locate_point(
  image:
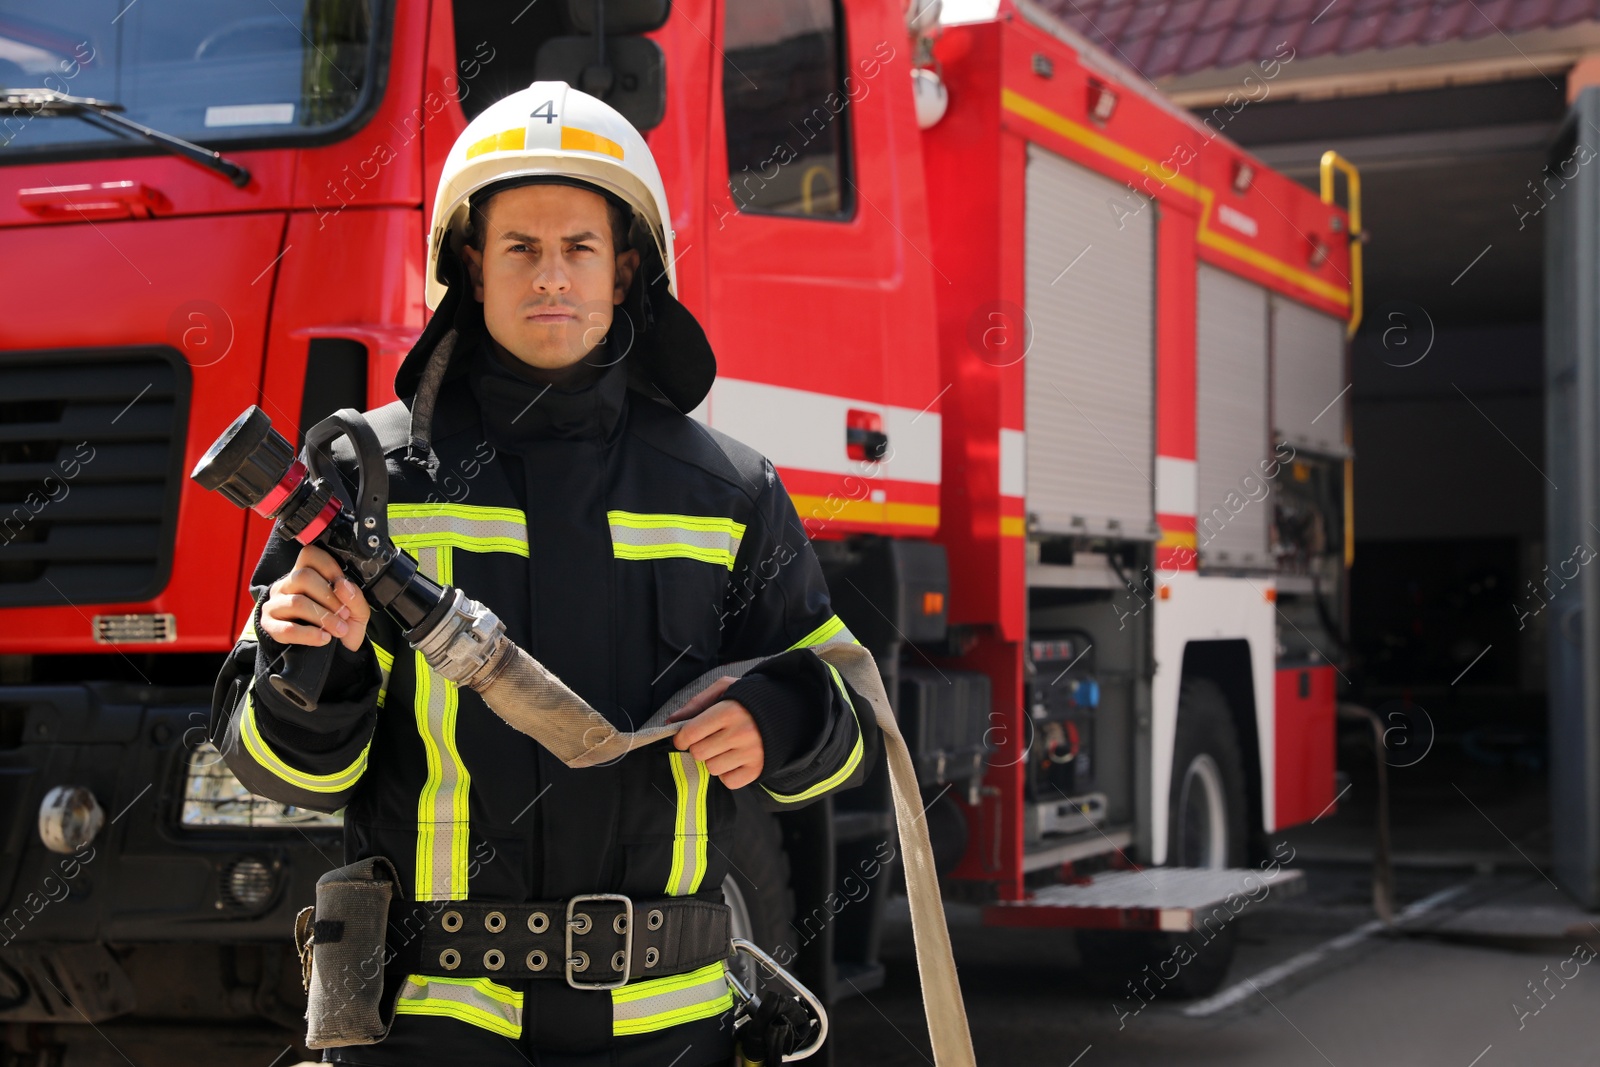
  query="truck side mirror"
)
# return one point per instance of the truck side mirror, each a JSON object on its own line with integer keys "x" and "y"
{"x": 621, "y": 16}
{"x": 632, "y": 76}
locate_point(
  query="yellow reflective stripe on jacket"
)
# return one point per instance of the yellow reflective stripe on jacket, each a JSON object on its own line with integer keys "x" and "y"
{"x": 469, "y": 526}
{"x": 850, "y": 763}
{"x": 708, "y": 538}
{"x": 249, "y": 631}
{"x": 385, "y": 665}
{"x": 829, "y": 632}
{"x": 657, "y": 1003}
{"x": 478, "y": 1001}
{"x": 432, "y": 533}
{"x": 262, "y": 753}
{"x": 690, "y": 833}
{"x": 442, "y": 822}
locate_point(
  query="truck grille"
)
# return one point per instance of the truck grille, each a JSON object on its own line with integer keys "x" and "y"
{"x": 91, "y": 446}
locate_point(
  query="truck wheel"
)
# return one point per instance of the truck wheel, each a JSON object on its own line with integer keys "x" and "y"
{"x": 757, "y": 888}
{"x": 1206, "y": 828}
{"x": 1206, "y": 824}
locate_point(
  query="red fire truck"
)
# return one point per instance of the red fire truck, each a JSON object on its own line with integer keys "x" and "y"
{"x": 1054, "y": 373}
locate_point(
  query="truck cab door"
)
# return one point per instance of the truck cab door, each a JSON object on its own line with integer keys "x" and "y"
{"x": 821, "y": 289}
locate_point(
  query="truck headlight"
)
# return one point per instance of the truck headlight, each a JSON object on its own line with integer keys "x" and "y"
{"x": 213, "y": 797}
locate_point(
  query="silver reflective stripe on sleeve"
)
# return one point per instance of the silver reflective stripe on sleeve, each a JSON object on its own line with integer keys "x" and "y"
{"x": 478, "y": 1001}
{"x": 657, "y": 1003}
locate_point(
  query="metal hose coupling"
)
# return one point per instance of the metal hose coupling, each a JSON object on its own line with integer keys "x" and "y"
{"x": 469, "y": 645}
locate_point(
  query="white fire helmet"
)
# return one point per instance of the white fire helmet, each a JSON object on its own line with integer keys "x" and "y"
{"x": 549, "y": 128}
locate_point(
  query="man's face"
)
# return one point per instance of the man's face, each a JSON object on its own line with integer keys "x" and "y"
{"x": 548, "y": 274}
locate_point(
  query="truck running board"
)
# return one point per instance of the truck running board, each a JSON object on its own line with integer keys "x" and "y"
{"x": 1174, "y": 899}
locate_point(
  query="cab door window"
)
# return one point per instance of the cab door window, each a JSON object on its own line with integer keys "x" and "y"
{"x": 785, "y": 110}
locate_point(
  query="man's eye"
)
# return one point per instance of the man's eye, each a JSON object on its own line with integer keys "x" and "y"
{"x": 519, "y": 248}
{"x": 584, "y": 248}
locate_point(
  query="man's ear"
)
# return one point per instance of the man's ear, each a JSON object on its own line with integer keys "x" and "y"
{"x": 474, "y": 261}
{"x": 627, "y": 265}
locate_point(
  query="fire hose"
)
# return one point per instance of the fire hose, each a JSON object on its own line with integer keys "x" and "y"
{"x": 465, "y": 642}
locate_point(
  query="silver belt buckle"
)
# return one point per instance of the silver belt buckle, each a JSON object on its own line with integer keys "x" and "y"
{"x": 580, "y": 924}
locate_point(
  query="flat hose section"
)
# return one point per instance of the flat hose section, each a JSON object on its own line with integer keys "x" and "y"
{"x": 535, "y": 702}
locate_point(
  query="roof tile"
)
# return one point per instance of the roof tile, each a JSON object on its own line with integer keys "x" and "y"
{"x": 1219, "y": 15}
{"x": 1449, "y": 21}
{"x": 1290, "y": 33}
{"x": 1244, "y": 46}
{"x": 1257, "y": 11}
{"x": 1184, "y": 16}
{"x": 1203, "y": 50}
{"x": 1146, "y": 22}
{"x": 1163, "y": 59}
{"x": 1570, "y": 11}
{"x": 1133, "y": 53}
{"x": 1492, "y": 17}
{"x": 1163, "y": 37}
{"x": 1322, "y": 35}
{"x": 1361, "y": 32}
{"x": 1113, "y": 19}
{"x": 1528, "y": 14}
{"x": 1403, "y": 27}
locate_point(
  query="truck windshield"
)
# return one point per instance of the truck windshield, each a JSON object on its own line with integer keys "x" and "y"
{"x": 247, "y": 70}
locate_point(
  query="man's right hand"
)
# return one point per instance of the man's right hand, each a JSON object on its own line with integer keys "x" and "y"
{"x": 314, "y": 603}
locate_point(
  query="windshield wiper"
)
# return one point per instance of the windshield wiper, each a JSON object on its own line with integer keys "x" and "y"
{"x": 42, "y": 101}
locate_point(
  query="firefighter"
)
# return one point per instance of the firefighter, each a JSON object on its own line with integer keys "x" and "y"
{"x": 542, "y": 460}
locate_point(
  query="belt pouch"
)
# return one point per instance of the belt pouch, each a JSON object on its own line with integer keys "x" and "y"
{"x": 343, "y": 955}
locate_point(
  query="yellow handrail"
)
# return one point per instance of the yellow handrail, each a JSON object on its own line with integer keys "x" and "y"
{"x": 1332, "y": 161}
{"x": 811, "y": 174}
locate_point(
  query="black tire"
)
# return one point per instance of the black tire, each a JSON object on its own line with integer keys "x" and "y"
{"x": 757, "y": 887}
{"x": 1205, "y": 731}
{"x": 1207, "y": 771}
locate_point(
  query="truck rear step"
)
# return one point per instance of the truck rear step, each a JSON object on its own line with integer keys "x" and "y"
{"x": 1172, "y": 899}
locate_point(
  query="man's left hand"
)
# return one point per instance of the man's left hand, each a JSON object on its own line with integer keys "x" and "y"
{"x": 721, "y": 734}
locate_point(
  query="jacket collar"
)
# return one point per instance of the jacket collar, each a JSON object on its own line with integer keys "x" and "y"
{"x": 520, "y": 407}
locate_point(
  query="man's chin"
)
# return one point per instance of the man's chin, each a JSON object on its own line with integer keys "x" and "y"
{"x": 545, "y": 358}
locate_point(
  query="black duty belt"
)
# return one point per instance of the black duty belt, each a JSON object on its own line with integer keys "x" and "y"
{"x": 594, "y": 941}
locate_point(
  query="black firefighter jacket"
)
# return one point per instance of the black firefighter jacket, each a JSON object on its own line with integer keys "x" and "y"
{"x": 629, "y": 549}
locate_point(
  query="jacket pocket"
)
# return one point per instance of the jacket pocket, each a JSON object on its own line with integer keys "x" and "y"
{"x": 689, "y": 598}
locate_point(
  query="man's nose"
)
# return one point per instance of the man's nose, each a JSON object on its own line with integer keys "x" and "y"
{"x": 551, "y": 278}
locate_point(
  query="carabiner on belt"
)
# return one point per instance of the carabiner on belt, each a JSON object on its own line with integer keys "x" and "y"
{"x": 752, "y": 1024}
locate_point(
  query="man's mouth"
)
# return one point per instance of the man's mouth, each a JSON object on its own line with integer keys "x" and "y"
{"x": 549, "y": 314}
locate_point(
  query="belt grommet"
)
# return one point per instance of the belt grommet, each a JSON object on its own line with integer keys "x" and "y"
{"x": 651, "y": 956}
{"x": 449, "y": 959}
{"x": 494, "y": 922}
{"x": 581, "y": 924}
{"x": 451, "y": 921}
{"x": 619, "y": 960}
{"x": 538, "y": 922}
{"x": 579, "y": 962}
{"x": 655, "y": 919}
{"x": 620, "y": 924}
{"x": 537, "y": 960}
{"x": 494, "y": 959}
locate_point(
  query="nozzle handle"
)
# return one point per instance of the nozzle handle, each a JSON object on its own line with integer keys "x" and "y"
{"x": 303, "y": 673}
